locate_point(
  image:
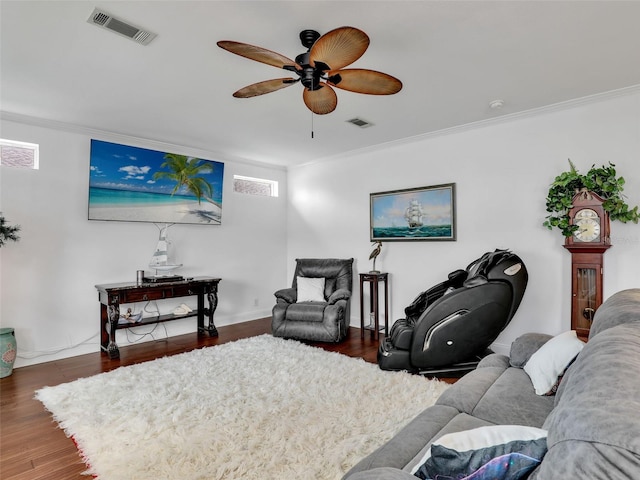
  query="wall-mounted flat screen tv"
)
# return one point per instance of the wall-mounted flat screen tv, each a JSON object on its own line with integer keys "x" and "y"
{"x": 132, "y": 184}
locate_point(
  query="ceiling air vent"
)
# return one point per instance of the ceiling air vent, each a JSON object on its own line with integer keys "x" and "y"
{"x": 104, "y": 20}
{"x": 358, "y": 122}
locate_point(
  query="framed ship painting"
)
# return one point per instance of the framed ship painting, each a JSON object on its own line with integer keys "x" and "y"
{"x": 425, "y": 213}
{"x": 132, "y": 184}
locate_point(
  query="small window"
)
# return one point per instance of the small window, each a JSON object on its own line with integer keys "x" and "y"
{"x": 255, "y": 186}
{"x": 18, "y": 154}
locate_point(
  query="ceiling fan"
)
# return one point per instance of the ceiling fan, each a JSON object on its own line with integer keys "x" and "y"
{"x": 319, "y": 69}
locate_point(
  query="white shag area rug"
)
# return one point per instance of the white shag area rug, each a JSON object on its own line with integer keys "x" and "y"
{"x": 258, "y": 408}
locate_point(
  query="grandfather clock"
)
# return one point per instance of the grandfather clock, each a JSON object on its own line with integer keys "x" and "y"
{"x": 587, "y": 246}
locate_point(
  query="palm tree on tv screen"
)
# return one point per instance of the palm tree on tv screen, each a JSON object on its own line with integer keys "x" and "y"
{"x": 186, "y": 171}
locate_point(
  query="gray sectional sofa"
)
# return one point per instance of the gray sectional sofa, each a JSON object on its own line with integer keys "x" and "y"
{"x": 592, "y": 423}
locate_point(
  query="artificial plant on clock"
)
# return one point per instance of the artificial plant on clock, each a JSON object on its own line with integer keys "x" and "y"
{"x": 600, "y": 180}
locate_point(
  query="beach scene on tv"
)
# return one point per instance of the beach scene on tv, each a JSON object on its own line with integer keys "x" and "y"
{"x": 415, "y": 214}
{"x": 135, "y": 184}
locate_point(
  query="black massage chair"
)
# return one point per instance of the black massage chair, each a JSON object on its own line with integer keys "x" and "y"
{"x": 449, "y": 327}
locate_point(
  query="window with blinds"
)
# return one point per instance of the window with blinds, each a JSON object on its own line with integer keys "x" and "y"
{"x": 255, "y": 186}
{"x": 18, "y": 154}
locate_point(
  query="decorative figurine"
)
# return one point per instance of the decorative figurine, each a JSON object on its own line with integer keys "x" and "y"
{"x": 374, "y": 255}
{"x": 130, "y": 317}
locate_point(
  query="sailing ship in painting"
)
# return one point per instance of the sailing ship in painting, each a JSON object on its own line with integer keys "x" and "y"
{"x": 414, "y": 214}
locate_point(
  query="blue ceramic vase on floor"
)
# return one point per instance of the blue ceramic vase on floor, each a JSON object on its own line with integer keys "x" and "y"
{"x": 8, "y": 351}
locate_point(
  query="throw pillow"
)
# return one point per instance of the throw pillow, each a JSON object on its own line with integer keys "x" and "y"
{"x": 508, "y": 452}
{"x": 310, "y": 289}
{"x": 551, "y": 360}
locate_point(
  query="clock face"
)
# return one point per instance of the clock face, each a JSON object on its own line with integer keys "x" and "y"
{"x": 588, "y": 224}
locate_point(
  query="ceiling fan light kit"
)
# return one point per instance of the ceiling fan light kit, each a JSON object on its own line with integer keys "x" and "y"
{"x": 319, "y": 69}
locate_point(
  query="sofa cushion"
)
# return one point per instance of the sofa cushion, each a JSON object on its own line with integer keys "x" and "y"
{"x": 504, "y": 400}
{"x": 622, "y": 307}
{"x": 526, "y": 345}
{"x": 465, "y": 394}
{"x": 382, "y": 473}
{"x": 551, "y": 360}
{"x": 585, "y": 460}
{"x": 494, "y": 360}
{"x": 594, "y": 431}
{"x": 306, "y": 312}
{"x": 495, "y": 394}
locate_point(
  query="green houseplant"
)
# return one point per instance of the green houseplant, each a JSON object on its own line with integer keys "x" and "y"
{"x": 8, "y": 232}
{"x": 600, "y": 180}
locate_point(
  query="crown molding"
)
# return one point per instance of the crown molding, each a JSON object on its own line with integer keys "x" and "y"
{"x": 129, "y": 139}
{"x": 506, "y": 118}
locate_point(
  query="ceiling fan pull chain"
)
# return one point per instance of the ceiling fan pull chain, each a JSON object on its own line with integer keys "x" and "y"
{"x": 311, "y": 124}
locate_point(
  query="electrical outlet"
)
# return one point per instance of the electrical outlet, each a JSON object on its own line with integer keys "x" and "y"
{"x": 255, "y": 302}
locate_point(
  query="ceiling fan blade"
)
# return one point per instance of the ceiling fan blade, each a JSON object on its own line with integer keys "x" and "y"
{"x": 339, "y": 48}
{"x": 258, "y": 54}
{"x": 360, "y": 80}
{"x": 322, "y": 100}
{"x": 261, "y": 88}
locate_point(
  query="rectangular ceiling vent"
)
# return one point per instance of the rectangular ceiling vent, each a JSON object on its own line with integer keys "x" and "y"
{"x": 104, "y": 20}
{"x": 358, "y": 122}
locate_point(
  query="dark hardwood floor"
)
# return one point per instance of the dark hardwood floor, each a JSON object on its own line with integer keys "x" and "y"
{"x": 32, "y": 447}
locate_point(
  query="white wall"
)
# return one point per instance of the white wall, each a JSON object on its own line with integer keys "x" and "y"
{"x": 47, "y": 279}
{"x": 502, "y": 171}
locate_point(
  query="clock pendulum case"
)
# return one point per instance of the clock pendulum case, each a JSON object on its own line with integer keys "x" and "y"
{"x": 587, "y": 246}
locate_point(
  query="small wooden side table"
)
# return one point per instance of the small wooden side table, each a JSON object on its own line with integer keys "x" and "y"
{"x": 374, "y": 279}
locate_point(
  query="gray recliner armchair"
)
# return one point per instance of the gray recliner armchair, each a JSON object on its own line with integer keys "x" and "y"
{"x": 317, "y": 305}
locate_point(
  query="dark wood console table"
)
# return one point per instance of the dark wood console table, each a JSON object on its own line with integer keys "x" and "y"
{"x": 113, "y": 294}
{"x": 374, "y": 278}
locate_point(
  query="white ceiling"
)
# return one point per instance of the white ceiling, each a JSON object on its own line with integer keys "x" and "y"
{"x": 453, "y": 57}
